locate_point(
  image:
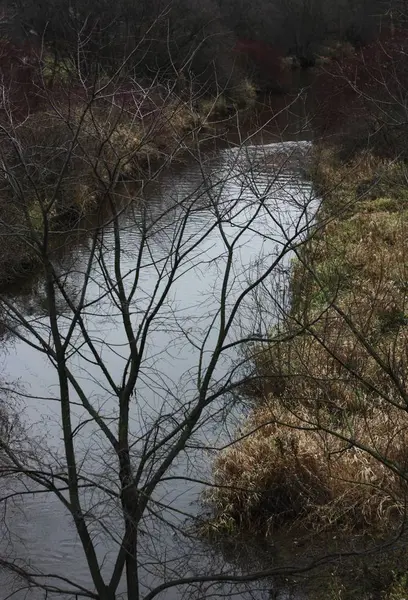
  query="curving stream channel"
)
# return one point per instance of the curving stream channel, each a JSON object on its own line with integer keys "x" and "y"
{"x": 260, "y": 185}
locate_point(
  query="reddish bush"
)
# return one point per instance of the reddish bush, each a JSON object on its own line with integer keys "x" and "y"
{"x": 365, "y": 94}
{"x": 19, "y": 76}
{"x": 264, "y": 61}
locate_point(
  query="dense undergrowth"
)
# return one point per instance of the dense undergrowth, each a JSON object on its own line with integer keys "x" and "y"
{"x": 60, "y": 162}
{"x": 326, "y": 446}
{"x": 63, "y": 156}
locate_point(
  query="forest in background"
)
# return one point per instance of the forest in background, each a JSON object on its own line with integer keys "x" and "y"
{"x": 215, "y": 42}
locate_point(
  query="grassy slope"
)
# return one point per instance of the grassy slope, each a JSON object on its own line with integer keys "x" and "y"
{"x": 294, "y": 470}
{"x": 334, "y": 399}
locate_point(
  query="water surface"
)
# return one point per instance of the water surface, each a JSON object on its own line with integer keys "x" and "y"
{"x": 235, "y": 181}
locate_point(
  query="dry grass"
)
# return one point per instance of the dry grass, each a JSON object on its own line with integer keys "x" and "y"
{"x": 110, "y": 143}
{"x": 292, "y": 471}
{"x": 58, "y": 164}
{"x": 329, "y": 447}
{"x": 399, "y": 589}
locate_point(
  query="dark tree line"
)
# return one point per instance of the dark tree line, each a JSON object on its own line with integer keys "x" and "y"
{"x": 180, "y": 38}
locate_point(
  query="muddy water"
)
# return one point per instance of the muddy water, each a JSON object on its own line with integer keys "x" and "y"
{"x": 37, "y": 530}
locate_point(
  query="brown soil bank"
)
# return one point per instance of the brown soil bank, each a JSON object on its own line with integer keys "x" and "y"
{"x": 329, "y": 442}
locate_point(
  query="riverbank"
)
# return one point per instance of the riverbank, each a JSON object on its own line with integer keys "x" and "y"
{"x": 66, "y": 145}
{"x": 63, "y": 162}
{"x": 325, "y": 447}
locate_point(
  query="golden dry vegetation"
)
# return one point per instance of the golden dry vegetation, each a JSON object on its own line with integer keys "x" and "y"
{"x": 329, "y": 441}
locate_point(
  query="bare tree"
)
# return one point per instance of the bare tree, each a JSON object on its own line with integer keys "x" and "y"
{"x": 132, "y": 433}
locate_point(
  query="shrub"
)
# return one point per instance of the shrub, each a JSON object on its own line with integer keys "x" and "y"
{"x": 244, "y": 94}
{"x": 366, "y": 96}
{"x": 19, "y": 78}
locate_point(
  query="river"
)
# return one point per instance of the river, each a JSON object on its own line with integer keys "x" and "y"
{"x": 36, "y": 527}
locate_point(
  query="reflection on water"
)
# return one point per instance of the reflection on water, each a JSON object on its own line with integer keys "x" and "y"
{"x": 231, "y": 185}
